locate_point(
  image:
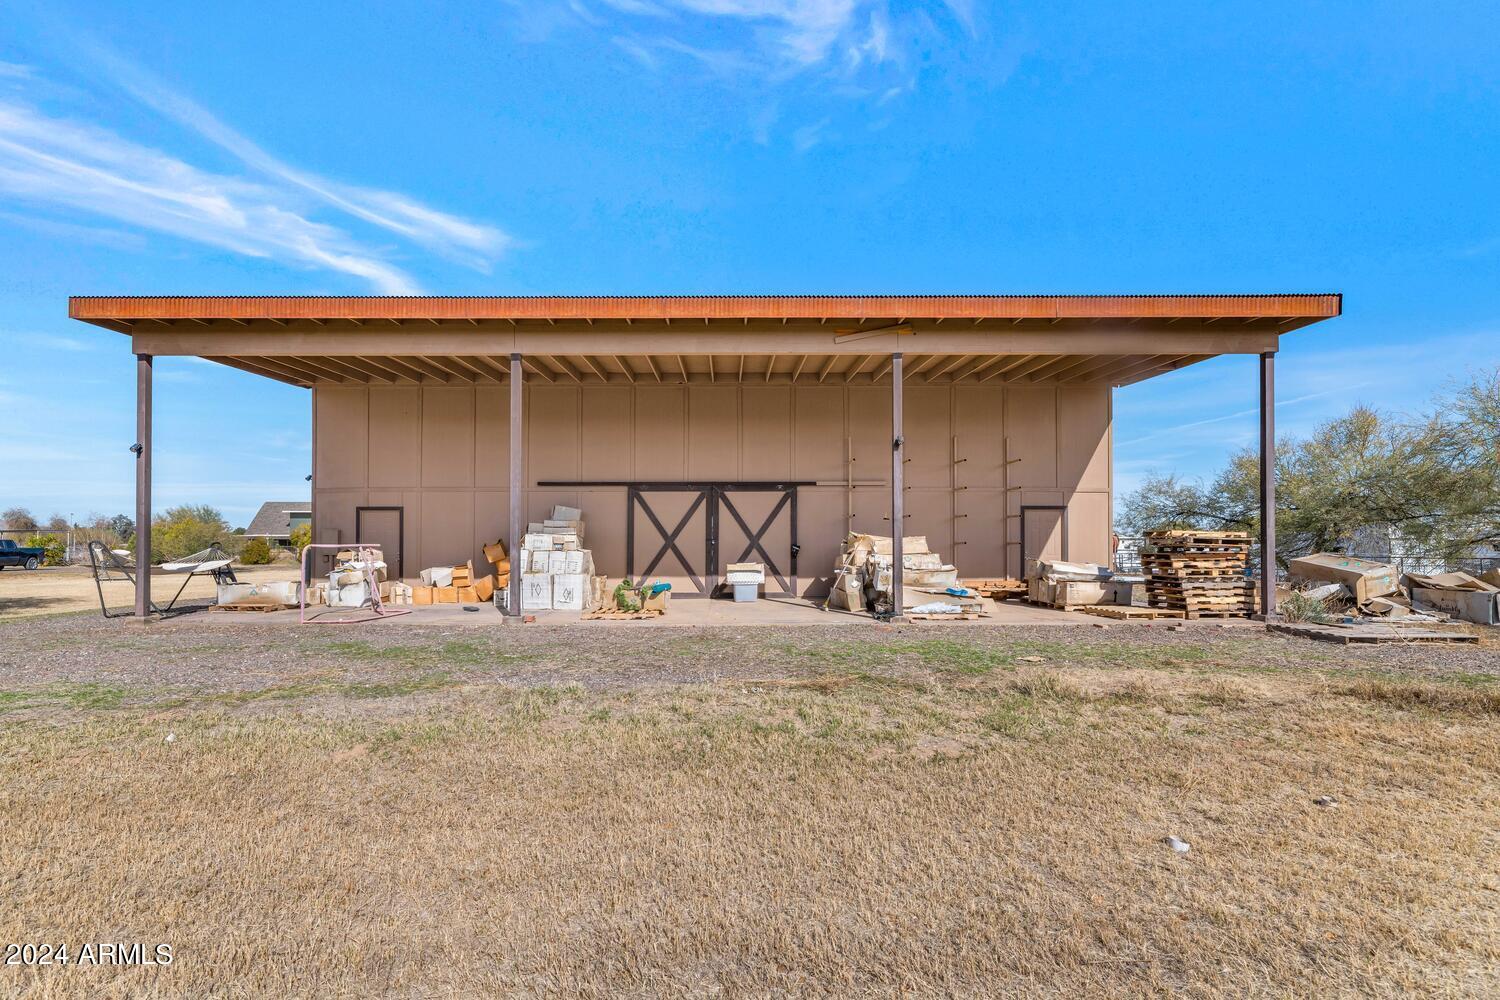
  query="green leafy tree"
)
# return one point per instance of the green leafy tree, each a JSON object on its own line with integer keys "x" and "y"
{"x": 183, "y": 530}
{"x": 54, "y": 546}
{"x": 1432, "y": 481}
{"x": 255, "y": 552}
{"x": 301, "y": 537}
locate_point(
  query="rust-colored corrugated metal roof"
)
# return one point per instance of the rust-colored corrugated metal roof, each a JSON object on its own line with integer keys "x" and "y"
{"x": 128, "y": 308}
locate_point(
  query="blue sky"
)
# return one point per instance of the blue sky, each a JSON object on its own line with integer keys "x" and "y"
{"x": 654, "y": 146}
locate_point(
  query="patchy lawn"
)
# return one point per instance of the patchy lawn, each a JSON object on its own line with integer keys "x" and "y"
{"x": 928, "y": 811}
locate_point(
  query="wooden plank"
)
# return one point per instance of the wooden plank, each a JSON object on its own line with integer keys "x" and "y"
{"x": 1121, "y": 612}
{"x": 1369, "y": 634}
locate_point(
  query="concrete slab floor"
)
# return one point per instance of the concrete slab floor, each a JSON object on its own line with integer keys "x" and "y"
{"x": 682, "y": 613}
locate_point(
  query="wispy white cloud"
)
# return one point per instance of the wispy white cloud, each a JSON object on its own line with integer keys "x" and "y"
{"x": 472, "y": 242}
{"x": 775, "y": 39}
{"x": 53, "y": 342}
{"x": 62, "y": 162}
{"x": 66, "y": 163}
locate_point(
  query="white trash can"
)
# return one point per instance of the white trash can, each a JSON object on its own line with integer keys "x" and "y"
{"x": 746, "y": 579}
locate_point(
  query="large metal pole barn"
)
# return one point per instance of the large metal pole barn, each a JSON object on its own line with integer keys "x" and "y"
{"x": 692, "y": 430}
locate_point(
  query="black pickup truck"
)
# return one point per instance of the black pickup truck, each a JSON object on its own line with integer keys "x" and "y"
{"x": 12, "y": 554}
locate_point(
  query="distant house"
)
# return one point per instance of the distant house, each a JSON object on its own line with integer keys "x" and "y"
{"x": 277, "y": 519}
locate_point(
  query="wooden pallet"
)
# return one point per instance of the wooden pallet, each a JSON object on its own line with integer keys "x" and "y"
{"x": 1193, "y": 534}
{"x": 263, "y": 606}
{"x": 1122, "y": 613}
{"x": 619, "y": 616}
{"x": 996, "y": 589}
{"x": 1348, "y": 634}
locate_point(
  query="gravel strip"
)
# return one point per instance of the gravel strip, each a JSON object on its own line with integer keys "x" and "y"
{"x": 177, "y": 655}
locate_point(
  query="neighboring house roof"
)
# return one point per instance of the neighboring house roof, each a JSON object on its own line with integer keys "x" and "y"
{"x": 274, "y": 519}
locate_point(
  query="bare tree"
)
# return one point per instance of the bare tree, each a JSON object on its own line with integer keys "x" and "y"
{"x": 19, "y": 519}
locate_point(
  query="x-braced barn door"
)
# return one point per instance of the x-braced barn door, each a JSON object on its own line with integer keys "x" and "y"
{"x": 659, "y": 502}
{"x": 724, "y": 513}
{"x": 773, "y": 509}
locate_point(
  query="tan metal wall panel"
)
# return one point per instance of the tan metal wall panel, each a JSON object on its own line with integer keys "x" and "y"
{"x": 713, "y": 432}
{"x": 930, "y": 512}
{"x": 492, "y": 437}
{"x": 606, "y": 420}
{"x": 342, "y": 425}
{"x": 1031, "y": 432}
{"x": 552, "y": 432}
{"x": 765, "y": 432}
{"x": 981, "y": 528}
{"x": 870, "y": 432}
{"x": 979, "y": 425}
{"x": 818, "y": 438}
{"x": 661, "y": 433}
{"x": 1089, "y": 528}
{"x": 929, "y": 444}
{"x": 395, "y": 436}
{"x": 604, "y": 528}
{"x": 447, "y": 525}
{"x": 1082, "y": 436}
{"x": 447, "y": 437}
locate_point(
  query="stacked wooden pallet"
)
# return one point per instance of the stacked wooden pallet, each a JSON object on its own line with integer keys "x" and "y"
{"x": 1199, "y": 573}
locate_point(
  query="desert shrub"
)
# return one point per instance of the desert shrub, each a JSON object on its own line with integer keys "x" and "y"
{"x": 1301, "y": 607}
{"x": 255, "y": 552}
{"x": 56, "y": 548}
{"x": 301, "y": 537}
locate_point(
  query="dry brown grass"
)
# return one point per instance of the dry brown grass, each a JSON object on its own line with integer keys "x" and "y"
{"x": 988, "y": 831}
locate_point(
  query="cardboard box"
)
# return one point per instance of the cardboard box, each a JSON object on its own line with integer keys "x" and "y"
{"x": 536, "y": 540}
{"x": 569, "y": 591}
{"x": 537, "y": 561}
{"x": 536, "y": 592}
{"x": 423, "y": 595}
{"x": 438, "y": 576}
{"x": 463, "y": 576}
{"x": 495, "y": 552}
{"x": 1478, "y": 606}
{"x": 485, "y": 587}
{"x": 557, "y": 562}
{"x": 445, "y": 595}
{"x": 574, "y": 562}
{"x": 657, "y": 602}
{"x": 1364, "y": 578}
{"x": 468, "y": 595}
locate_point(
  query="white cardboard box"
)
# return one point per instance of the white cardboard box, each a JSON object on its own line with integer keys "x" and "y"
{"x": 536, "y": 592}
{"x": 569, "y": 591}
{"x": 573, "y": 562}
{"x": 536, "y": 540}
{"x": 557, "y": 562}
{"x": 538, "y": 561}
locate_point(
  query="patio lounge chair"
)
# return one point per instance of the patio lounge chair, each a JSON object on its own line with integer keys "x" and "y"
{"x": 110, "y": 564}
